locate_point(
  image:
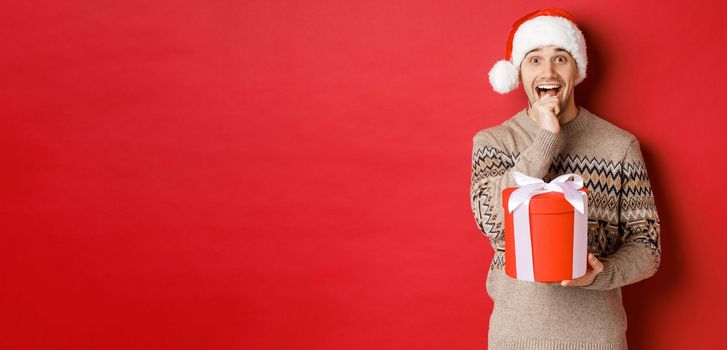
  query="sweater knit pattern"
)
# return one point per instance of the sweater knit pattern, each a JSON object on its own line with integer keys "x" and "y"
{"x": 623, "y": 229}
{"x": 606, "y": 182}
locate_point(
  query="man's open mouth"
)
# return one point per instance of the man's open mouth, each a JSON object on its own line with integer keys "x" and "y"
{"x": 548, "y": 89}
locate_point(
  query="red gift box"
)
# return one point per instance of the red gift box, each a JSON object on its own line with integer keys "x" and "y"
{"x": 555, "y": 229}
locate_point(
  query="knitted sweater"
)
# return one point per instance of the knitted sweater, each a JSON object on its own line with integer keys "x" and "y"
{"x": 623, "y": 230}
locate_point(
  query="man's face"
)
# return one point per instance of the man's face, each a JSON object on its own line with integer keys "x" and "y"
{"x": 549, "y": 65}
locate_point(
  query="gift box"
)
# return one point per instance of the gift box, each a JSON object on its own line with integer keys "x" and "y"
{"x": 546, "y": 228}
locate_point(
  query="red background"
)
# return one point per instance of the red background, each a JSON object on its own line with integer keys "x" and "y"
{"x": 294, "y": 175}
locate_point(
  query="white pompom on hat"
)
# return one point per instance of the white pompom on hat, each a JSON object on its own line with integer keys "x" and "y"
{"x": 550, "y": 26}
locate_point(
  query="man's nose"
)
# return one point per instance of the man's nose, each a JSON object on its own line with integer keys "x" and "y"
{"x": 548, "y": 69}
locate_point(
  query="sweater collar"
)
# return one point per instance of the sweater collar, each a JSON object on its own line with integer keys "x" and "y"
{"x": 578, "y": 123}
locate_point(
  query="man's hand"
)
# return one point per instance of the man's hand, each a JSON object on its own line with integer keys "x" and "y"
{"x": 545, "y": 111}
{"x": 595, "y": 267}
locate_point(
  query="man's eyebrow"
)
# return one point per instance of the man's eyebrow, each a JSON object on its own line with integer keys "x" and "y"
{"x": 540, "y": 49}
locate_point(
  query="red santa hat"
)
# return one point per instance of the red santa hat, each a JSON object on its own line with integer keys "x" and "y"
{"x": 549, "y": 26}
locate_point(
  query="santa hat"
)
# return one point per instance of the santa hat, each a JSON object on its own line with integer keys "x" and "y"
{"x": 550, "y": 26}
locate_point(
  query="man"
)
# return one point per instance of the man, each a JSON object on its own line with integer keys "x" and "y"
{"x": 552, "y": 136}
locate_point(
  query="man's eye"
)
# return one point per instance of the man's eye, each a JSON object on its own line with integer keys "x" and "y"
{"x": 561, "y": 58}
{"x": 533, "y": 60}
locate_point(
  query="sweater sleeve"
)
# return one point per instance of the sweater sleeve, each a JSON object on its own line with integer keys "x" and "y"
{"x": 639, "y": 255}
{"x": 492, "y": 166}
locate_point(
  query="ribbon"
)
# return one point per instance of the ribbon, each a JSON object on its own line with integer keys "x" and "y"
{"x": 519, "y": 203}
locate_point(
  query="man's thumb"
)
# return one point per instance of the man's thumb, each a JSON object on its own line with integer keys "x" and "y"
{"x": 595, "y": 263}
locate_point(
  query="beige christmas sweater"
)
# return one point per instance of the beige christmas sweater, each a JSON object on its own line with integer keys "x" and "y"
{"x": 623, "y": 230}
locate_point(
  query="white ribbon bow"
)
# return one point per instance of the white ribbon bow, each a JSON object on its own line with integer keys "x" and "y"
{"x": 519, "y": 203}
{"x": 531, "y": 186}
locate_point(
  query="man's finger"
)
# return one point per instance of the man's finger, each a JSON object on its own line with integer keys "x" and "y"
{"x": 594, "y": 262}
{"x": 585, "y": 279}
{"x": 594, "y": 268}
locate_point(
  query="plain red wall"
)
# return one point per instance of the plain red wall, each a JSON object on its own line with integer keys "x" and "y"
{"x": 295, "y": 175}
